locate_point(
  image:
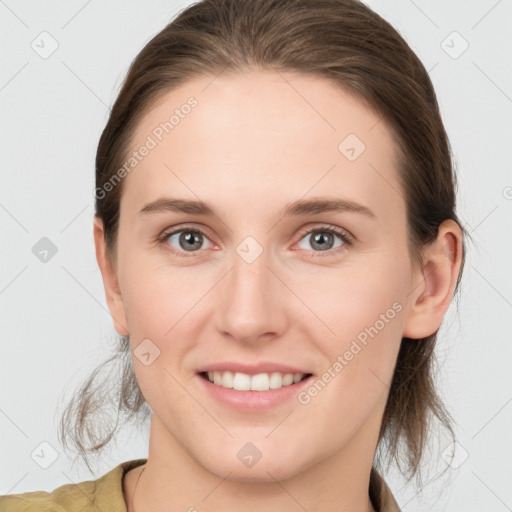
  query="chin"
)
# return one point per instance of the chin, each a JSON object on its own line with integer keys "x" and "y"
{"x": 260, "y": 474}
{"x": 247, "y": 465}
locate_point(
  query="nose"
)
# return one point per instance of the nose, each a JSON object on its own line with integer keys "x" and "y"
{"x": 251, "y": 301}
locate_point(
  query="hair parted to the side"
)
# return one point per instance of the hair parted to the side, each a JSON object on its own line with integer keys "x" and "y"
{"x": 348, "y": 43}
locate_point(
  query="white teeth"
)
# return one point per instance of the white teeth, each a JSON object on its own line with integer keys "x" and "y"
{"x": 276, "y": 380}
{"x": 242, "y": 382}
{"x": 288, "y": 379}
{"x": 224, "y": 379}
{"x": 260, "y": 382}
{"x": 227, "y": 380}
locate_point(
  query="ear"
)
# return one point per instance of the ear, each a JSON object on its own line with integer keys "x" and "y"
{"x": 110, "y": 283}
{"x": 434, "y": 283}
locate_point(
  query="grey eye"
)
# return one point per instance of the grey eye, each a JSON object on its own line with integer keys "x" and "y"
{"x": 187, "y": 240}
{"x": 322, "y": 240}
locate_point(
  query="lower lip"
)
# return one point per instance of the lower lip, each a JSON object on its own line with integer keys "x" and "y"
{"x": 253, "y": 400}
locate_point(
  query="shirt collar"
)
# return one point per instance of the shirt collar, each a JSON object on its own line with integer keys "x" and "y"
{"x": 380, "y": 494}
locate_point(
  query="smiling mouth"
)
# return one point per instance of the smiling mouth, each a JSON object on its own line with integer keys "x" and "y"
{"x": 259, "y": 382}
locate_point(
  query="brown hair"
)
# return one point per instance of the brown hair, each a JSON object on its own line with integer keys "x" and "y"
{"x": 348, "y": 43}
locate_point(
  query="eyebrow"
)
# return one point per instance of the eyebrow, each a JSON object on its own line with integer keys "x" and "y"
{"x": 312, "y": 206}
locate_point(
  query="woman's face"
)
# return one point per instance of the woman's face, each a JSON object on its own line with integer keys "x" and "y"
{"x": 263, "y": 275}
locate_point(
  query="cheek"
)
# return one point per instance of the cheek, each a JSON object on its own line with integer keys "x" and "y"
{"x": 353, "y": 297}
{"x": 362, "y": 309}
{"x": 365, "y": 311}
{"x": 158, "y": 296}
{"x": 159, "y": 303}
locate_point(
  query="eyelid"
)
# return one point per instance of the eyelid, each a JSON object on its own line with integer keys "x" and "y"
{"x": 347, "y": 238}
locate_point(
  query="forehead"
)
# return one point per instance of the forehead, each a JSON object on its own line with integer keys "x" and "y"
{"x": 261, "y": 132}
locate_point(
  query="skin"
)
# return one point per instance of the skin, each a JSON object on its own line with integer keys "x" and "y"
{"x": 255, "y": 142}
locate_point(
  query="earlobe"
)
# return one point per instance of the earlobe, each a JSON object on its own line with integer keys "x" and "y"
{"x": 429, "y": 300}
{"x": 110, "y": 281}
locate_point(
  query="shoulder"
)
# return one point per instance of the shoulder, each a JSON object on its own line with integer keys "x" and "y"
{"x": 104, "y": 493}
{"x": 36, "y": 501}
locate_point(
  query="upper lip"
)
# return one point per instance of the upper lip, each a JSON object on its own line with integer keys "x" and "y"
{"x": 251, "y": 369}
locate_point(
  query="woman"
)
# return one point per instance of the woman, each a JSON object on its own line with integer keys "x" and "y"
{"x": 276, "y": 231}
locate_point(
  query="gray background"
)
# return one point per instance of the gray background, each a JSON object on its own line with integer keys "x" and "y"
{"x": 55, "y": 323}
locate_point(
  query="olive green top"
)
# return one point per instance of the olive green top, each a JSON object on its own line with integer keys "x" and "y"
{"x": 106, "y": 495}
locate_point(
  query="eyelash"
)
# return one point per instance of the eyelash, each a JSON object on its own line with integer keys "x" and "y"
{"x": 346, "y": 238}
